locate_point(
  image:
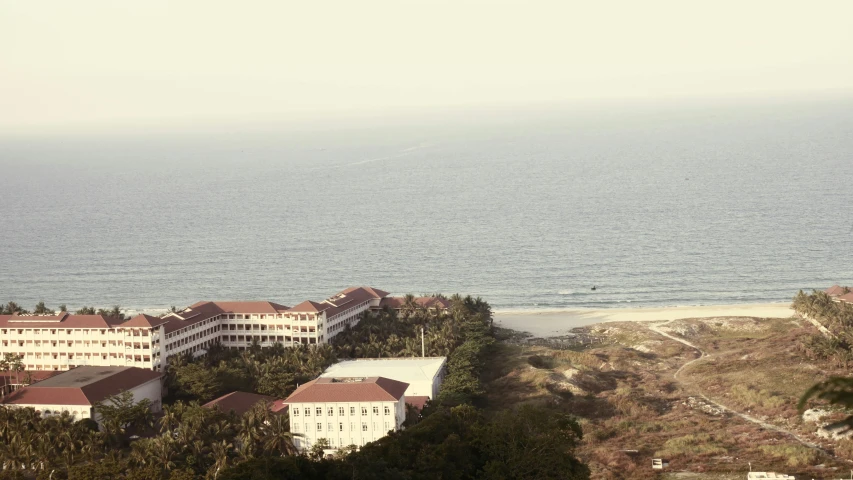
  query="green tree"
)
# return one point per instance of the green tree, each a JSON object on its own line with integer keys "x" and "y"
{"x": 41, "y": 309}
{"x": 120, "y": 413}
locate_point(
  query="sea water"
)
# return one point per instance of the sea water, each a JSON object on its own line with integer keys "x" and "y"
{"x": 683, "y": 205}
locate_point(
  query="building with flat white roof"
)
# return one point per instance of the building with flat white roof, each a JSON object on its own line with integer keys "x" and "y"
{"x": 78, "y": 390}
{"x": 345, "y": 411}
{"x": 423, "y": 374}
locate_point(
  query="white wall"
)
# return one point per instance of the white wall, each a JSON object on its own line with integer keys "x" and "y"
{"x": 353, "y": 431}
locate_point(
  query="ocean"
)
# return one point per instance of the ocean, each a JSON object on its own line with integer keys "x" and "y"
{"x": 729, "y": 202}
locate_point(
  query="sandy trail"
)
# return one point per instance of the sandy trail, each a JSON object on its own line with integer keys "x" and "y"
{"x": 688, "y": 386}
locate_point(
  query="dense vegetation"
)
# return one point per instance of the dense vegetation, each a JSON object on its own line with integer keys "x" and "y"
{"x": 187, "y": 441}
{"x": 452, "y": 443}
{"x": 453, "y": 439}
{"x": 837, "y": 317}
{"x": 837, "y": 348}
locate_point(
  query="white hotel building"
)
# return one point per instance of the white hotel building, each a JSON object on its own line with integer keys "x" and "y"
{"x": 64, "y": 341}
{"x": 346, "y": 410}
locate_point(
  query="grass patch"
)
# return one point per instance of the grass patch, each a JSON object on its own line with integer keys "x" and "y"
{"x": 690, "y": 445}
{"x": 794, "y": 455}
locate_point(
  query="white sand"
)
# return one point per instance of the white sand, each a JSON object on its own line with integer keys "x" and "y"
{"x": 559, "y": 322}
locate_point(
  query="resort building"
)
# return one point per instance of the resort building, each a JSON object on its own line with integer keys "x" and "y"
{"x": 424, "y": 375}
{"x": 840, "y": 294}
{"x": 77, "y": 391}
{"x": 346, "y": 410}
{"x": 64, "y": 341}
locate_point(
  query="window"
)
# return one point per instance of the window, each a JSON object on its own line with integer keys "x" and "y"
{"x": 319, "y": 427}
{"x": 387, "y": 410}
{"x": 341, "y": 427}
{"x": 307, "y": 412}
{"x": 331, "y": 427}
{"x": 295, "y": 427}
{"x": 363, "y": 426}
{"x": 331, "y": 411}
{"x": 341, "y": 411}
{"x": 351, "y": 427}
{"x": 319, "y": 411}
{"x": 352, "y": 410}
{"x": 295, "y": 412}
{"x": 376, "y": 410}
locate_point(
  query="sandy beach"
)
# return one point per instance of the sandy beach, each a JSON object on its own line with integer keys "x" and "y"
{"x": 549, "y": 323}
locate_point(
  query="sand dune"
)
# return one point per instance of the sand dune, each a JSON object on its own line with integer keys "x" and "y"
{"x": 554, "y": 322}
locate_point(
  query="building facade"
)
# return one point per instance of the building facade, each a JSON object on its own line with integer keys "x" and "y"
{"x": 77, "y": 391}
{"x": 64, "y": 341}
{"x": 345, "y": 411}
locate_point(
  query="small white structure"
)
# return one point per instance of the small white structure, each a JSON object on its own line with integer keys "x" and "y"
{"x": 346, "y": 411}
{"x": 76, "y": 391}
{"x": 423, "y": 374}
{"x": 659, "y": 463}
{"x": 769, "y": 475}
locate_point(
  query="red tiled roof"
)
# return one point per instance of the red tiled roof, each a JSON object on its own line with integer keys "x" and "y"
{"x": 847, "y": 298}
{"x": 144, "y": 321}
{"x": 63, "y": 320}
{"x": 250, "y": 307}
{"x": 309, "y": 306}
{"x": 395, "y": 303}
{"x": 835, "y": 290}
{"x": 35, "y": 375}
{"x": 204, "y": 310}
{"x": 417, "y": 402}
{"x": 279, "y": 406}
{"x": 81, "y": 386}
{"x": 351, "y": 297}
{"x": 239, "y": 402}
{"x": 373, "y": 291}
{"x": 333, "y": 390}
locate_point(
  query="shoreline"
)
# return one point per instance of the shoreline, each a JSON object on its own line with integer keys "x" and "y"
{"x": 551, "y": 323}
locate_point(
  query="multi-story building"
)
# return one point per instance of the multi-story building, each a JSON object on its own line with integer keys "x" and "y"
{"x": 346, "y": 410}
{"x": 63, "y": 341}
{"x": 78, "y": 391}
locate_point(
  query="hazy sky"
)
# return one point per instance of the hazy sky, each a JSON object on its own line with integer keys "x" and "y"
{"x": 93, "y": 62}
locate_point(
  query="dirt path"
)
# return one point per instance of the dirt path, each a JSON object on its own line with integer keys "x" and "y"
{"x": 704, "y": 356}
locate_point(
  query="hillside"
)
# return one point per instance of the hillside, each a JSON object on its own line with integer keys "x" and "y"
{"x": 623, "y": 387}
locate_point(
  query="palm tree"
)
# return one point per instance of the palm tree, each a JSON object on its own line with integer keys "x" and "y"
{"x": 277, "y": 436}
{"x": 250, "y": 430}
{"x": 18, "y": 366}
{"x": 140, "y": 452}
{"x": 220, "y": 451}
{"x": 5, "y": 365}
{"x": 171, "y": 416}
{"x": 163, "y": 450}
{"x": 41, "y": 309}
